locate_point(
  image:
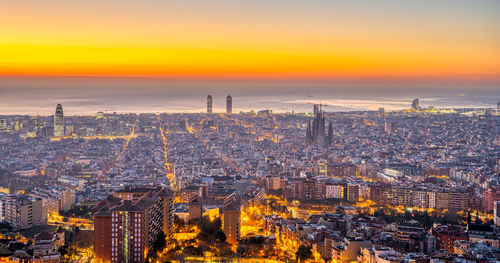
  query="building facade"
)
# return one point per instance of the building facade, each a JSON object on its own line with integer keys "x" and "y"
{"x": 209, "y": 104}
{"x": 125, "y": 229}
{"x": 59, "y": 121}
{"x": 229, "y": 104}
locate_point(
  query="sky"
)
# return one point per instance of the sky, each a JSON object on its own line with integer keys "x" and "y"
{"x": 281, "y": 40}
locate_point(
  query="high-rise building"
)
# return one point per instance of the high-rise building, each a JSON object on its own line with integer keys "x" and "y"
{"x": 229, "y": 104}
{"x": 127, "y": 224}
{"x": 195, "y": 209}
{"x": 330, "y": 133}
{"x": 209, "y": 104}
{"x": 303, "y": 188}
{"x": 231, "y": 218}
{"x": 353, "y": 192}
{"x": 59, "y": 121}
{"x": 491, "y": 196}
{"x": 276, "y": 183}
{"x": 414, "y": 104}
{"x": 23, "y": 211}
{"x": 496, "y": 213}
{"x": 309, "y": 139}
{"x": 231, "y": 223}
{"x": 316, "y": 109}
{"x": 388, "y": 127}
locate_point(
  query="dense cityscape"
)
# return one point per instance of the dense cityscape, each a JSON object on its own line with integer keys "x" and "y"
{"x": 414, "y": 185}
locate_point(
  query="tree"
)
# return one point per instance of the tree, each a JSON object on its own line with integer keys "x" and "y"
{"x": 5, "y": 227}
{"x": 160, "y": 243}
{"x": 194, "y": 251}
{"x": 178, "y": 221}
{"x": 63, "y": 250}
{"x": 220, "y": 236}
{"x": 240, "y": 251}
{"x": 218, "y": 223}
{"x": 303, "y": 253}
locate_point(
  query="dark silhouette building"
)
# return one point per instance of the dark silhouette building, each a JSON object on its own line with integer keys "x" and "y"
{"x": 330, "y": 133}
{"x": 414, "y": 104}
{"x": 315, "y": 133}
{"x": 229, "y": 104}
{"x": 209, "y": 104}
{"x": 316, "y": 109}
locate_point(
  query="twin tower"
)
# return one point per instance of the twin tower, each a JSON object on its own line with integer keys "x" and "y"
{"x": 229, "y": 104}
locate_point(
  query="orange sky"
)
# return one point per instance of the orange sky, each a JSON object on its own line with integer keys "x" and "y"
{"x": 261, "y": 39}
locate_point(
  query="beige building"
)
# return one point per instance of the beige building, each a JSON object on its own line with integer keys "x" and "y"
{"x": 231, "y": 224}
{"x": 56, "y": 199}
{"x": 23, "y": 212}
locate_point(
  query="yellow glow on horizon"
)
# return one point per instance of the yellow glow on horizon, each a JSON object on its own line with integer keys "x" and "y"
{"x": 23, "y": 59}
{"x": 247, "y": 40}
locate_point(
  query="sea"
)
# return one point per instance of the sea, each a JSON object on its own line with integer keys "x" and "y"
{"x": 87, "y": 96}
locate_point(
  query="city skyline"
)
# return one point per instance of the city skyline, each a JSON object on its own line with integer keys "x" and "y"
{"x": 267, "y": 131}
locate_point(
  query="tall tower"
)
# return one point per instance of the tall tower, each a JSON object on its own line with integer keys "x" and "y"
{"x": 229, "y": 104}
{"x": 59, "y": 121}
{"x": 414, "y": 104}
{"x": 231, "y": 219}
{"x": 209, "y": 104}
{"x": 315, "y": 109}
{"x": 309, "y": 139}
{"x": 330, "y": 133}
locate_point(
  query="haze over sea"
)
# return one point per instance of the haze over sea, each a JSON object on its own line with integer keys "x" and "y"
{"x": 82, "y": 96}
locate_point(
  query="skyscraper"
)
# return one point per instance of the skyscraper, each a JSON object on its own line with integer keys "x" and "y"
{"x": 127, "y": 223}
{"x": 414, "y": 104}
{"x": 388, "y": 127}
{"x": 209, "y": 104}
{"x": 59, "y": 121}
{"x": 330, "y": 133}
{"x": 316, "y": 109}
{"x": 231, "y": 225}
{"x": 229, "y": 104}
{"x": 496, "y": 213}
{"x": 231, "y": 218}
{"x": 309, "y": 139}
